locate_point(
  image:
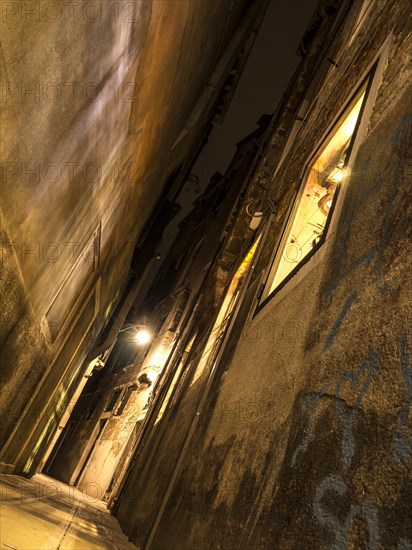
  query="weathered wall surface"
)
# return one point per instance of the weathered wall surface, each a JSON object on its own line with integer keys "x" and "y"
{"x": 94, "y": 96}
{"x": 305, "y": 441}
{"x": 60, "y": 124}
{"x": 202, "y": 230}
{"x": 309, "y": 443}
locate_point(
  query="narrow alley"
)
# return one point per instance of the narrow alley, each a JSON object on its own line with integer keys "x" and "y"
{"x": 44, "y": 514}
{"x": 205, "y": 274}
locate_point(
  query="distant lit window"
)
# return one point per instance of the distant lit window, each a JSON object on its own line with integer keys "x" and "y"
{"x": 326, "y": 172}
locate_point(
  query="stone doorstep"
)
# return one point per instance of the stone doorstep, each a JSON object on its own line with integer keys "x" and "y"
{"x": 69, "y": 536}
{"x": 18, "y": 538}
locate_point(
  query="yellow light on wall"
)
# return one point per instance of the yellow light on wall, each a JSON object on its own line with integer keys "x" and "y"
{"x": 159, "y": 357}
{"x": 152, "y": 375}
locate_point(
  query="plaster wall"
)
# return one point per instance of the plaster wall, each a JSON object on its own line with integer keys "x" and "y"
{"x": 93, "y": 99}
{"x": 304, "y": 441}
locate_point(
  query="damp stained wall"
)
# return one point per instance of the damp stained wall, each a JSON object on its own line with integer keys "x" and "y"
{"x": 94, "y": 96}
{"x": 304, "y": 440}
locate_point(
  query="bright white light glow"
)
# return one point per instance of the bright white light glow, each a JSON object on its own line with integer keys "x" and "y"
{"x": 152, "y": 375}
{"x": 142, "y": 337}
{"x": 338, "y": 176}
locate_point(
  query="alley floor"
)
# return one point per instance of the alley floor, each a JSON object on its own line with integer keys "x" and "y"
{"x": 43, "y": 514}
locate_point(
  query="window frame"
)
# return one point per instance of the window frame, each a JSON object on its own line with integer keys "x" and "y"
{"x": 53, "y": 328}
{"x": 296, "y": 203}
{"x": 372, "y": 76}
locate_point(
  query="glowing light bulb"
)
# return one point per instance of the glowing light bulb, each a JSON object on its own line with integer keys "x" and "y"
{"x": 142, "y": 337}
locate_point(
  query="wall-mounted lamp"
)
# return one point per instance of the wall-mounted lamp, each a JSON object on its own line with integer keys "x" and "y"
{"x": 257, "y": 209}
{"x": 255, "y": 221}
{"x": 140, "y": 334}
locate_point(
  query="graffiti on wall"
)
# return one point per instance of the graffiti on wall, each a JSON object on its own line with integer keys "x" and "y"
{"x": 374, "y": 256}
{"x": 358, "y": 381}
{"x": 336, "y": 485}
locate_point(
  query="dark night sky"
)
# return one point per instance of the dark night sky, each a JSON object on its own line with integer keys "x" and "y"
{"x": 268, "y": 70}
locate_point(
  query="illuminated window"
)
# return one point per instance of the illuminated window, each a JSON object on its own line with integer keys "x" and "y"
{"x": 326, "y": 172}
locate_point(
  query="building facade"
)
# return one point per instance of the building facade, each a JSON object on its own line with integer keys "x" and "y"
{"x": 98, "y": 132}
{"x": 105, "y": 422}
{"x": 272, "y": 407}
{"x": 285, "y": 422}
